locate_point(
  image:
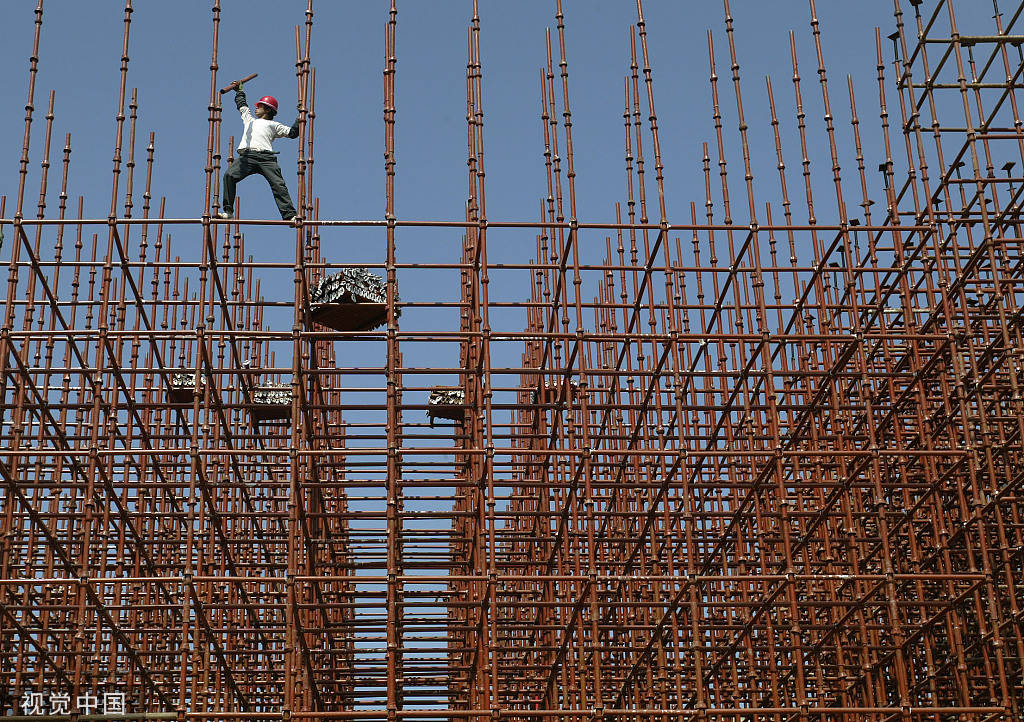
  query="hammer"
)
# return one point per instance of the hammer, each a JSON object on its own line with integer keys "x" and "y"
{"x": 233, "y": 85}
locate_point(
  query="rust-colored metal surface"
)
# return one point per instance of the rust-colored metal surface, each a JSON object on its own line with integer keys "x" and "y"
{"x": 762, "y": 462}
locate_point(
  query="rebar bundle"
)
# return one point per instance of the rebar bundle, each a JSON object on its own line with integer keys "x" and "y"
{"x": 764, "y": 463}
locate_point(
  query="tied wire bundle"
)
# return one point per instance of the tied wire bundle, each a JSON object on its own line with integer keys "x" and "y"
{"x": 352, "y": 300}
{"x": 353, "y": 285}
{"x": 272, "y": 396}
{"x": 184, "y": 381}
{"x": 446, "y": 403}
{"x": 446, "y": 397}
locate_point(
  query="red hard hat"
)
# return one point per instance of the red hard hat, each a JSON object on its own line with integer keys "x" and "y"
{"x": 268, "y": 100}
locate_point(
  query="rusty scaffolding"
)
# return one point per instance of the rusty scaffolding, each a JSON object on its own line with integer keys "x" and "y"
{"x": 760, "y": 463}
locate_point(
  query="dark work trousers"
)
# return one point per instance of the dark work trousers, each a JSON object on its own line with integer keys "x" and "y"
{"x": 264, "y": 163}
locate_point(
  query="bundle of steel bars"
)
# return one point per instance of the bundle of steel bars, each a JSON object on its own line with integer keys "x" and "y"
{"x": 768, "y": 466}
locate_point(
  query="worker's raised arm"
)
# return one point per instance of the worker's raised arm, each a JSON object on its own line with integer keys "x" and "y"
{"x": 240, "y": 102}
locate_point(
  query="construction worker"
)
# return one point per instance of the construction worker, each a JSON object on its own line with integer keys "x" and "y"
{"x": 255, "y": 154}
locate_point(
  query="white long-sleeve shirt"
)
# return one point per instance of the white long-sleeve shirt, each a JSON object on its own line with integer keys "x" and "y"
{"x": 259, "y": 133}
